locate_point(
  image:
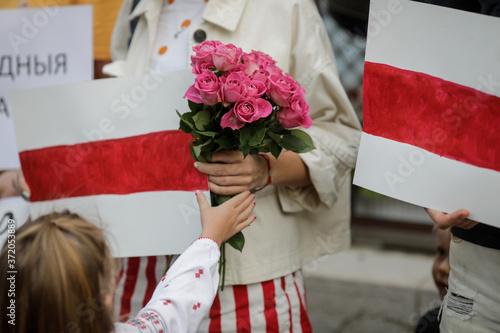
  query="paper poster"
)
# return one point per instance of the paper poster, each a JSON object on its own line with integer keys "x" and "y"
{"x": 40, "y": 47}
{"x": 110, "y": 150}
{"x": 431, "y": 108}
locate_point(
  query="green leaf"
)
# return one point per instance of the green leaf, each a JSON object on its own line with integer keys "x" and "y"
{"x": 193, "y": 153}
{"x": 275, "y": 149}
{"x": 245, "y": 135}
{"x": 202, "y": 149}
{"x": 208, "y": 133}
{"x": 186, "y": 123}
{"x": 304, "y": 136}
{"x": 208, "y": 146}
{"x": 297, "y": 141}
{"x": 245, "y": 150}
{"x": 257, "y": 136}
{"x": 225, "y": 142}
{"x": 279, "y": 129}
{"x": 195, "y": 107}
{"x": 196, "y": 151}
{"x": 185, "y": 127}
{"x": 275, "y": 137}
{"x": 254, "y": 151}
{"x": 205, "y": 156}
{"x": 201, "y": 119}
{"x": 237, "y": 241}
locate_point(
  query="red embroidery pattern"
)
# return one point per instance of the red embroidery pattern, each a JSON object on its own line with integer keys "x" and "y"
{"x": 167, "y": 302}
{"x": 200, "y": 272}
{"x": 151, "y": 322}
{"x": 153, "y": 314}
{"x": 196, "y": 306}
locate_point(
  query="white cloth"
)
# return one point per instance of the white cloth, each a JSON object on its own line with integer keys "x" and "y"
{"x": 170, "y": 50}
{"x": 309, "y": 221}
{"x": 472, "y": 303}
{"x": 184, "y": 295}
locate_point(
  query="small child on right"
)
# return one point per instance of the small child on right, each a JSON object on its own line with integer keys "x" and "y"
{"x": 429, "y": 323}
{"x": 62, "y": 278}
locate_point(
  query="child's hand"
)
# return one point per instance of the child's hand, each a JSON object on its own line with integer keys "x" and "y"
{"x": 222, "y": 222}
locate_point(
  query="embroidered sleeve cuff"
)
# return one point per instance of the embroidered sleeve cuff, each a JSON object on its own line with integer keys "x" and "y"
{"x": 206, "y": 238}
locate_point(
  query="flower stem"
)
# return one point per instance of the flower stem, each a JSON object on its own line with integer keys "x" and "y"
{"x": 223, "y": 253}
{"x": 169, "y": 261}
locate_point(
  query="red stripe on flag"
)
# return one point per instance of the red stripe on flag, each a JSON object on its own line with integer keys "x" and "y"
{"x": 242, "y": 308}
{"x": 269, "y": 294}
{"x": 159, "y": 161}
{"x": 439, "y": 116}
{"x": 215, "y": 316}
{"x": 151, "y": 279}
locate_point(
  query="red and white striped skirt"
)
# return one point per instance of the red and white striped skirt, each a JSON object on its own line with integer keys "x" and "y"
{"x": 277, "y": 305}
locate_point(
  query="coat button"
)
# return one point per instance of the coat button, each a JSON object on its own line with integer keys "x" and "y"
{"x": 200, "y": 36}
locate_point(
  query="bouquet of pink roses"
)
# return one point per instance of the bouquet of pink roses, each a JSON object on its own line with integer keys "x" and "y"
{"x": 243, "y": 101}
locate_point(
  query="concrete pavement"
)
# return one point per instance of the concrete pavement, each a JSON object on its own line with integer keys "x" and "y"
{"x": 370, "y": 290}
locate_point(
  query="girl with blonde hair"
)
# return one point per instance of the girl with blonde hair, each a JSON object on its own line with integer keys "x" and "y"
{"x": 64, "y": 278}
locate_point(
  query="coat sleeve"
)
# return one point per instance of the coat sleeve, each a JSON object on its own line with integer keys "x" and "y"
{"x": 335, "y": 130}
{"x": 184, "y": 295}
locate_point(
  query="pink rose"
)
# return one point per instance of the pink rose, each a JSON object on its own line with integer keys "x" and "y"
{"x": 240, "y": 68}
{"x": 201, "y": 67}
{"x": 255, "y": 88}
{"x": 233, "y": 87}
{"x": 205, "y": 89}
{"x": 204, "y": 51}
{"x": 227, "y": 57}
{"x": 246, "y": 110}
{"x": 295, "y": 115}
{"x": 282, "y": 88}
{"x": 261, "y": 75}
{"x": 274, "y": 70}
{"x": 256, "y": 60}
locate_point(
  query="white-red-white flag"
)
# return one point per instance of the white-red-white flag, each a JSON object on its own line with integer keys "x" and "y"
{"x": 110, "y": 150}
{"x": 431, "y": 108}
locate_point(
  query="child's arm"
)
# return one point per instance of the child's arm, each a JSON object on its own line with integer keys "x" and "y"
{"x": 186, "y": 293}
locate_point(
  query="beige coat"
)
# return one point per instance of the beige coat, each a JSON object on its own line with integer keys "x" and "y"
{"x": 295, "y": 226}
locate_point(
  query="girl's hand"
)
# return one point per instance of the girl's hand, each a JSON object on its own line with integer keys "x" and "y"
{"x": 230, "y": 173}
{"x": 222, "y": 222}
{"x": 455, "y": 219}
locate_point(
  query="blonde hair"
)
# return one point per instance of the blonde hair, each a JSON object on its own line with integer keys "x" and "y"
{"x": 64, "y": 275}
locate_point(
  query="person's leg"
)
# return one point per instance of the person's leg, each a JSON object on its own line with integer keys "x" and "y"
{"x": 473, "y": 300}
